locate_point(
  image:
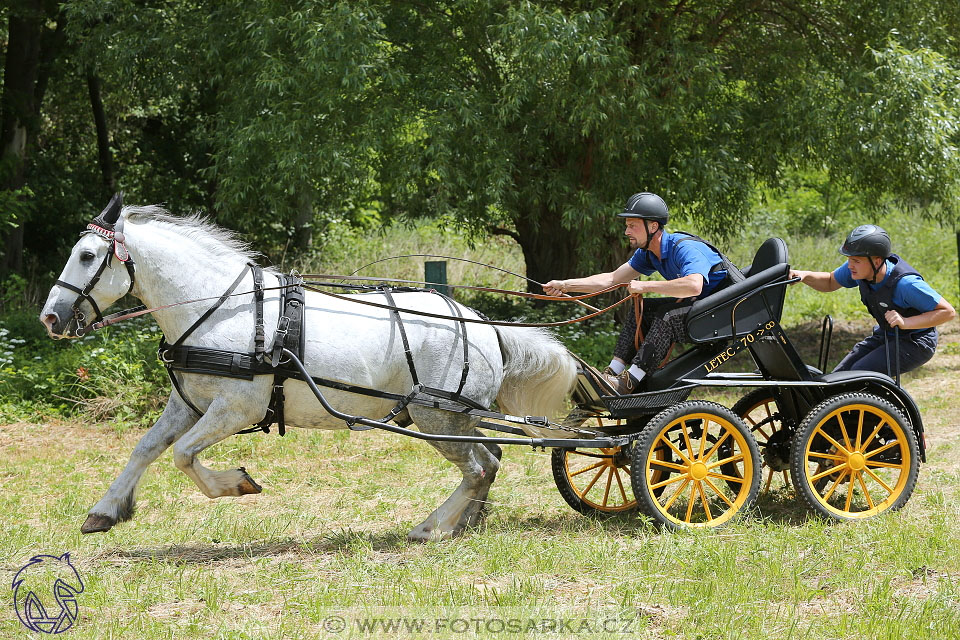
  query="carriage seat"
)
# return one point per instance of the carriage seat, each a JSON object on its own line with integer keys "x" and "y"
{"x": 710, "y": 318}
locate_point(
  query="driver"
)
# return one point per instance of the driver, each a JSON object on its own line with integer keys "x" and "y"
{"x": 691, "y": 269}
{"x": 894, "y": 294}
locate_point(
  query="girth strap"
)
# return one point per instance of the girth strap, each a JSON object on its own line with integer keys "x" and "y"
{"x": 466, "y": 346}
{"x": 290, "y": 334}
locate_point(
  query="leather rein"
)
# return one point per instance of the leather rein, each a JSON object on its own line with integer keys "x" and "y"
{"x": 312, "y": 285}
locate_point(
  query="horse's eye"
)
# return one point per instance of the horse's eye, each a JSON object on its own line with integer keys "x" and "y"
{"x": 87, "y": 256}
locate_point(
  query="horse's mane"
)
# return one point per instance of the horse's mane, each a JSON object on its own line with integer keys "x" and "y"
{"x": 215, "y": 239}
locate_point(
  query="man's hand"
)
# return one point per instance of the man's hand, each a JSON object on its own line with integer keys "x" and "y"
{"x": 894, "y": 319}
{"x": 555, "y": 288}
{"x": 794, "y": 273}
{"x": 637, "y": 287}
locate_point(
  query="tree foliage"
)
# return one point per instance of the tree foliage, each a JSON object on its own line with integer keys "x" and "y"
{"x": 532, "y": 119}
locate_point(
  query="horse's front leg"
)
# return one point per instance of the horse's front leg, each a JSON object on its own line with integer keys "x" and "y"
{"x": 118, "y": 503}
{"x": 225, "y": 416}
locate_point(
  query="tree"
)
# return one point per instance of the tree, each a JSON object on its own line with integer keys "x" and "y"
{"x": 531, "y": 119}
{"x": 34, "y": 38}
{"x": 539, "y": 119}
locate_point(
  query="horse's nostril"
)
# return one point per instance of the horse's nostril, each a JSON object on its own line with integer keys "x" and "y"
{"x": 50, "y": 320}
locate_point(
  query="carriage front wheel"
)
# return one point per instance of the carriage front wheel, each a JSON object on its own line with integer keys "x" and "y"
{"x": 595, "y": 481}
{"x": 694, "y": 485}
{"x": 855, "y": 455}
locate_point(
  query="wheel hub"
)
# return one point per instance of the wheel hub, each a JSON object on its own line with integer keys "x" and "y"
{"x": 856, "y": 461}
{"x": 698, "y": 471}
{"x": 776, "y": 453}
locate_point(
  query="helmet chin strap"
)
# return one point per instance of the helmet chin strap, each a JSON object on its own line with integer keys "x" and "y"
{"x": 876, "y": 269}
{"x": 646, "y": 246}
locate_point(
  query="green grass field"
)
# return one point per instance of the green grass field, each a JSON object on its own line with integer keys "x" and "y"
{"x": 322, "y": 553}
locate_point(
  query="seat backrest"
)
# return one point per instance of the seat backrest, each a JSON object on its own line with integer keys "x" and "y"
{"x": 772, "y": 252}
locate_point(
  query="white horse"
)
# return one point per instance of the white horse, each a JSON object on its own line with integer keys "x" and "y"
{"x": 525, "y": 370}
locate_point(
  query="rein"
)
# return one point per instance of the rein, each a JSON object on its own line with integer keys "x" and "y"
{"x": 141, "y": 310}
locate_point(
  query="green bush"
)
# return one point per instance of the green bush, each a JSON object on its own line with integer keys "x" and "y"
{"x": 109, "y": 375}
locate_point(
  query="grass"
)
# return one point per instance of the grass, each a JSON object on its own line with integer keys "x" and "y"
{"x": 327, "y": 538}
{"x": 324, "y": 544}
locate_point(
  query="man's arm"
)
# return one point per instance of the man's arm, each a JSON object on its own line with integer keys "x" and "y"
{"x": 820, "y": 280}
{"x": 686, "y": 287}
{"x": 596, "y": 282}
{"x": 943, "y": 312}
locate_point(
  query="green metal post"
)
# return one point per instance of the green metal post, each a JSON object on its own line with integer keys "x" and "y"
{"x": 435, "y": 274}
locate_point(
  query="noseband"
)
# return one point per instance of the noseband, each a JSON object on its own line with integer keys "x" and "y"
{"x": 117, "y": 248}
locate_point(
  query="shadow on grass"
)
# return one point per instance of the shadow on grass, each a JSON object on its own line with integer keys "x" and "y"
{"x": 779, "y": 507}
{"x": 214, "y": 552}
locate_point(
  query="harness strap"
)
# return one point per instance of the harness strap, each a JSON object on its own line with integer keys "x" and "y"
{"x": 214, "y": 307}
{"x": 403, "y": 336}
{"x": 183, "y": 396}
{"x": 258, "y": 334}
{"x": 466, "y": 345}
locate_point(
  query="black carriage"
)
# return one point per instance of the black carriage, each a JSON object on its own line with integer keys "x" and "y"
{"x": 852, "y": 440}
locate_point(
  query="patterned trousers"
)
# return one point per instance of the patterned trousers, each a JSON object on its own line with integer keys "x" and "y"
{"x": 664, "y": 322}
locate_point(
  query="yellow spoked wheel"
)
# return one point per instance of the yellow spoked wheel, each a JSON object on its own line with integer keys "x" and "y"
{"x": 711, "y": 474}
{"x": 595, "y": 481}
{"x": 855, "y": 455}
{"x": 759, "y": 411}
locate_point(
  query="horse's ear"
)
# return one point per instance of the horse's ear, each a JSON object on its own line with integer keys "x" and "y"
{"x": 111, "y": 213}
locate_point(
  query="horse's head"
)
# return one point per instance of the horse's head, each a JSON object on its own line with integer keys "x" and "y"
{"x": 91, "y": 280}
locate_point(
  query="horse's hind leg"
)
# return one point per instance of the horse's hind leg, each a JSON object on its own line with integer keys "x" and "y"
{"x": 118, "y": 503}
{"x": 220, "y": 421}
{"x": 478, "y": 464}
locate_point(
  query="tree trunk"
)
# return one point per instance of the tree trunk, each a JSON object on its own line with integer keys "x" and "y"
{"x": 17, "y": 119}
{"x": 31, "y": 50}
{"x": 104, "y": 154}
{"x": 303, "y": 224}
{"x": 553, "y": 252}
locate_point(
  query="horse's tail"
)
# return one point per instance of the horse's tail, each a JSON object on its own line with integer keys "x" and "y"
{"x": 538, "y": 372}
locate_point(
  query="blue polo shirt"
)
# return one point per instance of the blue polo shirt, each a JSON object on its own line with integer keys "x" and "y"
{"x": 911, "y": 292}
{"x": 679, "y": 259}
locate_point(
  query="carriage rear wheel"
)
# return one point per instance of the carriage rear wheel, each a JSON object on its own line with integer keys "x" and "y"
{"x": 595, "y": 481}
{"x": 855, "y": 455}
{"x": 759, "y": 411}
{"x": 693, "y": 488}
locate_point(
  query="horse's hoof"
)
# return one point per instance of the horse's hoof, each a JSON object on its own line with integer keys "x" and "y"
{"x": 97, "y": 523}
{"x": 248, "y": 484}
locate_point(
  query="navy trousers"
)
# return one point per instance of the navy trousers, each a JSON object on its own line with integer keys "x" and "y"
{"x": 870, "y": 354}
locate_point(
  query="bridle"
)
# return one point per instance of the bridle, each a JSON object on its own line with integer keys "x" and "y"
{"x": 109, "y": 226}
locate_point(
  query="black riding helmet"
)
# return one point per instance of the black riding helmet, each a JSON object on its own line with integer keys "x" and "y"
{"x": 648, "y": 206}
{"x": 868, "y": 240}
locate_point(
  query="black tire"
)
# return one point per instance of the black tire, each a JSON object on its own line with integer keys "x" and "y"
{"x": 855, "y": 455}
{"x": 759, "y": 411}
{"x": 684, "y": 492}
{"x": 594, "y": 481}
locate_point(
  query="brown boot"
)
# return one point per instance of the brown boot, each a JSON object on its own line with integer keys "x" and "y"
{"x": 610, "y": 377}
{"x": 623, "y": 384}
{"x": 626, "y": 384}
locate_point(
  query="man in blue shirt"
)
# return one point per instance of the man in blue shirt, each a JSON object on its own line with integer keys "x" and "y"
{"x": 894, "y": 294}
{"x": 691, "y": 269}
